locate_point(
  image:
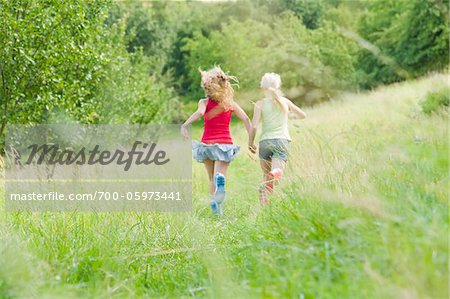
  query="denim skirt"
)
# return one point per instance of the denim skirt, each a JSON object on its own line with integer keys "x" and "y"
{"x": 215, "y": 152}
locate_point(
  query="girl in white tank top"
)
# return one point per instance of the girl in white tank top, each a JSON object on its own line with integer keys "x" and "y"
{"x": 273, "y": 111}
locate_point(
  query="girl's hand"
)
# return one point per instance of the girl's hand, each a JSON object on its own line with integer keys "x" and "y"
{"x": 184, "y": 132}
{"x": 252, "y": 148}
{"x": 196, "y": 115}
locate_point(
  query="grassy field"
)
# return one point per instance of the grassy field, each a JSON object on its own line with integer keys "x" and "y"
{"x": 362, "y": 213}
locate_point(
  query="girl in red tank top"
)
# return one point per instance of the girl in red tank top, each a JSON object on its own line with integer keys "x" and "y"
{"x": 216, "y": 149}
{"x": 216, "y": 124}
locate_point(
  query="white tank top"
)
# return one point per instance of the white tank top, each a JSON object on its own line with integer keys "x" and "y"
{"x": 274, "y": 121}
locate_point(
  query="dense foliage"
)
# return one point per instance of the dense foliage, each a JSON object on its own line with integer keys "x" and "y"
{"x": 62, "y": 62}
{"x": 415, "y": 34}
{"x": 51, "y": 59}
{"x": 316, "y": 59}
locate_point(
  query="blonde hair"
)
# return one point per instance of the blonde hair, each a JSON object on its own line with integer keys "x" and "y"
{"x": 272, "y": 83}
{"x": 218, "y": 86}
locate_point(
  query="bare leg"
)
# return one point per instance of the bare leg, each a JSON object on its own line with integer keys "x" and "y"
{"x": 266, "y": 166}
{"x": 222, "y": 167}
{"x": 278, "y": 164}
{"x": 209, "y": 165}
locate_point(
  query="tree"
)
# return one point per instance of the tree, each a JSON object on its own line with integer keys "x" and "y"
{"x": 67, "y": 62}
{"x": 50, "y": 59}
{"x": 309, "y": 11}
{"x": 318, "y": 59}
{"x": 415, "y": 34}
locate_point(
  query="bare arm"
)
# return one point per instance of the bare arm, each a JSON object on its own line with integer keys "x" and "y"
{"x": 296, "y": 110}
{"x": 255, "y": 123}
{"x": 240, "y": 113}
{"x": 195, "y": 116}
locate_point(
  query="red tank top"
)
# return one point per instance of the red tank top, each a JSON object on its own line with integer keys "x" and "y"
{"x": 216, "y": 124}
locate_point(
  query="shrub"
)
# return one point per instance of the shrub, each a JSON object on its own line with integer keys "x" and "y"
{"x": 318, "y": 60}
{"x": 436, "y": 100}
{"x": 130, "y": 93}
{"x": 393, "y": 27}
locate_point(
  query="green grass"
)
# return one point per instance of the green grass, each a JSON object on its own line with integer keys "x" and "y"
{"x": 436, "y": 100}
{"x": 362, "y": 213}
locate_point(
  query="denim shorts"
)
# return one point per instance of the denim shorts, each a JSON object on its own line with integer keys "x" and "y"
{"x": 274, "y": 148}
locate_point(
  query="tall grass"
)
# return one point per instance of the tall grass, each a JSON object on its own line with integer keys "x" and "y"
{"x": 362, "y": 213}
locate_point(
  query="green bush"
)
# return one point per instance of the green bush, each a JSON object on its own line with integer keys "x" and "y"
{"x": 68, "y": 62}
{"x": 129, "y": 92}
{"x": 412, "y": 38}
{"x": 435, "y": 101}
{"x": 310, "y": 12}
{"x": 309, "y": 60}
{"x": 51, "y": 58}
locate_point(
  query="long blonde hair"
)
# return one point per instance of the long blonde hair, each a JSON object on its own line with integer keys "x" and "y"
{"x": 271, "y": 82}
{"x": 218, "y": 86}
